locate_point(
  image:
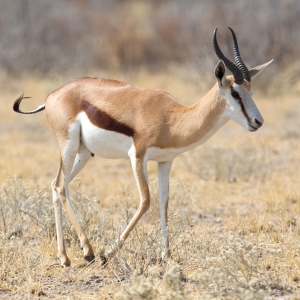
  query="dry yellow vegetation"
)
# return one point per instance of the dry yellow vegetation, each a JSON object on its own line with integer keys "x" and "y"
{"x": 234, "y": 207}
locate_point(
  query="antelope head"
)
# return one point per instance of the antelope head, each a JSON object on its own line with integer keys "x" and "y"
{"x": 236, "y": 88}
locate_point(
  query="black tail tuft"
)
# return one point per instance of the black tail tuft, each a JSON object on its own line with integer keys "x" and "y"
{"x": 17, "y": 103}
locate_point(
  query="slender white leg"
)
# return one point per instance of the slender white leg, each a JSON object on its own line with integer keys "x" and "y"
{"x": 139, "y": 170}
{"x": 69, "y": 151}
{"x": 164, "y": 169}
{"x": 80, "y": 161}
{"x": 62, "y": 254}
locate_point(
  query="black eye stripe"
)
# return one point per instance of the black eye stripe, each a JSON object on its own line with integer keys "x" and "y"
{"x": 236, "y": 95}
{"x": 244, "y": 111}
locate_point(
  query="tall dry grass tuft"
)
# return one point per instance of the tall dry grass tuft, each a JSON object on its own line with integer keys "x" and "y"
{"x": 23, "y": 215}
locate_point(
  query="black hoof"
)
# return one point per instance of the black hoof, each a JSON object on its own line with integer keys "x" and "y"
{"x": 89, "y": 258}
{"x": 103, "y": 259}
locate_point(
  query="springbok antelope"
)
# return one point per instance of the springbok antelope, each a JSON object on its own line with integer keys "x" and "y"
{"x": 112, "y": 119}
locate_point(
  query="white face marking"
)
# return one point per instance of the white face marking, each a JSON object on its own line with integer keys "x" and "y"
{"x": 103, "y": 143}
{"x": 234, "y": 110}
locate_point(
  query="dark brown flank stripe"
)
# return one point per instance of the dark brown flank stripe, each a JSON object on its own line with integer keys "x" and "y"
{"x": 102, "y": 120}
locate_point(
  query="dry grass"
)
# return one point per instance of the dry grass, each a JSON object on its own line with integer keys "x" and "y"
{"x": 234, "y": 209}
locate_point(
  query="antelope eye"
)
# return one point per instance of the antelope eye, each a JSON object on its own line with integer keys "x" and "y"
{"x": 235, "y": 95}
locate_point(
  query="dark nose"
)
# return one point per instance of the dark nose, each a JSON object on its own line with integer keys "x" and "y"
{"x": 258, "y": 123}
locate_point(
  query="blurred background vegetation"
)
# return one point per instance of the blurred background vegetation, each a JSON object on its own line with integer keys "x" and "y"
{"x": 58, "y": 37}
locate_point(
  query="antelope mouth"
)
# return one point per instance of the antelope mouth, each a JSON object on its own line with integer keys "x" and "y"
{"x": 253, "y": 128}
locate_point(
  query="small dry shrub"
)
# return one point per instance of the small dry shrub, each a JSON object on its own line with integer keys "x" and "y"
{"x": 23, "y": 214}
{"x": 226, "y": 164}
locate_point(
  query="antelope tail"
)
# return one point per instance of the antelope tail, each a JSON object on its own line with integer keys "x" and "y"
{"x": 17, "y": 103}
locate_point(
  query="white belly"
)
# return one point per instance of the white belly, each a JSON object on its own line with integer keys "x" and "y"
{"x": 104, "y": 143}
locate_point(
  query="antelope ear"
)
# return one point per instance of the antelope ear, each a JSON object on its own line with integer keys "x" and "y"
{"x": 255, "y": 71}
{"x": 220, "y": 72}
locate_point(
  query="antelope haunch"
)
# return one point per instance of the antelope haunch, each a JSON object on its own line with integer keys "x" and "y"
{"x": 112, "y": 119}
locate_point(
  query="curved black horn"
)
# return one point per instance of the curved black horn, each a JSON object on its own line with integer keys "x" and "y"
{"x": 236, "y": 72}
{"x": 237, "y": 57}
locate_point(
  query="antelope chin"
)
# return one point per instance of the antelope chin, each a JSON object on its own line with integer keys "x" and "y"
{"x": 252, "y": 128}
